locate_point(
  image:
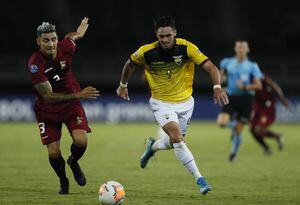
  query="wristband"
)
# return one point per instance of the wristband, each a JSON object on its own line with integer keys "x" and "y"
{"x": 217, "y": 86}
{"x": 123, "y": 85}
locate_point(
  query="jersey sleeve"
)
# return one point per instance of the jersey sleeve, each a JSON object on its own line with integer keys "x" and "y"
{"x": 37, "y": 72}
{"x": 68, "y": 45}
{"x": 256, "y": 72}
{"x": 138, "y": 57}
{"x": 195, "y": 55}
{"x": 223, "y": 64}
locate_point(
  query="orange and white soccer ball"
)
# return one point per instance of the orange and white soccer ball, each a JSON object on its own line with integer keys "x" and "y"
{"x": 111, "y": 193}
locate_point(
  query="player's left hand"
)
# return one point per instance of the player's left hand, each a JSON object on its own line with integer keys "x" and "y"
{"x": 240, "y": 84}
{"x": 123, "y": 93}
{"x": 82, "y": 27}
{"x": 220, "y": 97}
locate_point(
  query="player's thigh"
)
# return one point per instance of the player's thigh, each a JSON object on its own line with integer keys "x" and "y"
{"x": 184, "y": 113}
{"x": 54, "y": 149}
{"x": 77, "y": 123}
{"x": 49, "y": 127}
{"x": 267, "y": 117}
{"x": 79, "y": 137}
{"x": 163, "y": 112}
{"x": 174, "y": 131}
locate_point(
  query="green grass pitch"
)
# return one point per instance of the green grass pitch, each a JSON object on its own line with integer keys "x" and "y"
{"x": 113, "y": 154}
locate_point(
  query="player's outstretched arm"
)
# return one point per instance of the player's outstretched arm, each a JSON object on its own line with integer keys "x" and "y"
{"x": 278, "y": 91}
{"x": 220, "y": 95}
{"x": 122, "y": 90}
{"x": 45, "y": 91}
{"x": 80, "y": 30}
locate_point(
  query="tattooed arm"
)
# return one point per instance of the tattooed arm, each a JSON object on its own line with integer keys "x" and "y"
{"x": 45, "y": 91}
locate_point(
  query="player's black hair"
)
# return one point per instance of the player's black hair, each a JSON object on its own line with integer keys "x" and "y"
{"x": 165, "y": 21}
{"x": 45, "y": 27}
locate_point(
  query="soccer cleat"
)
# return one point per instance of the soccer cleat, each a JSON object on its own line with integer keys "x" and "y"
{"x": 77, "y": 172}
{"x": 64, "y": 186}
{"x": 232, "y": 157}
{"x": 204, "y": 187}
{"x": 280, "y": 142}
{"x": 148, "y": 153}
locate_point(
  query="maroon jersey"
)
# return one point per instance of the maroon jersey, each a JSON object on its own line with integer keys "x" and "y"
{"x": 57, "y": 71}
{"x": 265, "y": 97}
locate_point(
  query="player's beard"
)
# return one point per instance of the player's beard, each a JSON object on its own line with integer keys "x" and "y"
{"x": 50, "y": 54}
{"x": 167, "y": 46}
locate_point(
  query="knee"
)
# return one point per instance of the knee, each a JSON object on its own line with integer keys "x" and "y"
{"x": 239, "y": 128}
{"x": 80, "y": 140}
{"x": 54, "y": 153}
{"x": 223, "y": 120}
{"x": 175, "y": 136}
{"x": 221, "y": 124}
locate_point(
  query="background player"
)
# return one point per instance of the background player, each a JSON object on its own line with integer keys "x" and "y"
{"x": 169, "y": 69}
{"x": 243, "y": 78}
{"x": 264, "y": 113}
{"x": 57, "y": 102}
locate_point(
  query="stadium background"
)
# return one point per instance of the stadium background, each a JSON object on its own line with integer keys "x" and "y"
{"x": 118, "y": 28}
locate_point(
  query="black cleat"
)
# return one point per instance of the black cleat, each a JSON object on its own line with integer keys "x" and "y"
{"x": 232, "y": 157}
{"x": 64, "y": 186}
{"x": 77, "y": 172}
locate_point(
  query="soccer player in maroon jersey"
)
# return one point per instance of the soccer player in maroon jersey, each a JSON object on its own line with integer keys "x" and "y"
{"x": 57, "y": 99}
{"x": 264, "y": 113}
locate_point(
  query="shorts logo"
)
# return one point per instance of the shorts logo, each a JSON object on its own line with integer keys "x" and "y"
{"x": 166, "y": 116}
{"x": 33, "y": 68}
{"x": 62, "y": 64}
{"x": 178, "y": 59}
{"x": 79, "y": 120}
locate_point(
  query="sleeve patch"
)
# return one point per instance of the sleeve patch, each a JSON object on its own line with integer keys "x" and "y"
{"x": 33, "y": 68}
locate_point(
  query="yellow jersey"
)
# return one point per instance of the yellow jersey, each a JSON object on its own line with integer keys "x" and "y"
{"x": 170, "y": 73}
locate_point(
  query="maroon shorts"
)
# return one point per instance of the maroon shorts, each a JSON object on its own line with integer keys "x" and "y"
{"x": 262, "y": 116}
{"x": 50, "y": 124}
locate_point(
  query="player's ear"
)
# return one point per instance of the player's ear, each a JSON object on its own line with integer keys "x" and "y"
{"x": 175, "y": 32}
{"x": 38, "y": 41}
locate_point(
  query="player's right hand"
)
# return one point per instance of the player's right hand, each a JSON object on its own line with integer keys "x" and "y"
{"x": 123, "y": 93}
{"x": 88, "y": 93}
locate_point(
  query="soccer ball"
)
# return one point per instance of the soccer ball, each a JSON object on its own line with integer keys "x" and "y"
{"x": 111, "y": 193}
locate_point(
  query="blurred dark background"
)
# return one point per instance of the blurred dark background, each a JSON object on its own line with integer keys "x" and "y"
{"x": 118, "y": 28}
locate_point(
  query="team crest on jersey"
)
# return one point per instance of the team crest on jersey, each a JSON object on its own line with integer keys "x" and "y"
{"x": 33, "y": 68}
{"x": 62, "y": 64}
{"x": 79, "y": 120}
{"x": 178, "y": 59}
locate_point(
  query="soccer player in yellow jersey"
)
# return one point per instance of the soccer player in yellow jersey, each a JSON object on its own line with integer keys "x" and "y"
{"x": 169, "y": 69}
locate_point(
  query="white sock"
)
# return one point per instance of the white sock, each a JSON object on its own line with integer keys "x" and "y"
{"x": 162, "y": 143}
{"x": 185, "y": 156}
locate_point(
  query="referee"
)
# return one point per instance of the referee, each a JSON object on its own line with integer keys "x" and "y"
{"x": 242, "y": 77}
